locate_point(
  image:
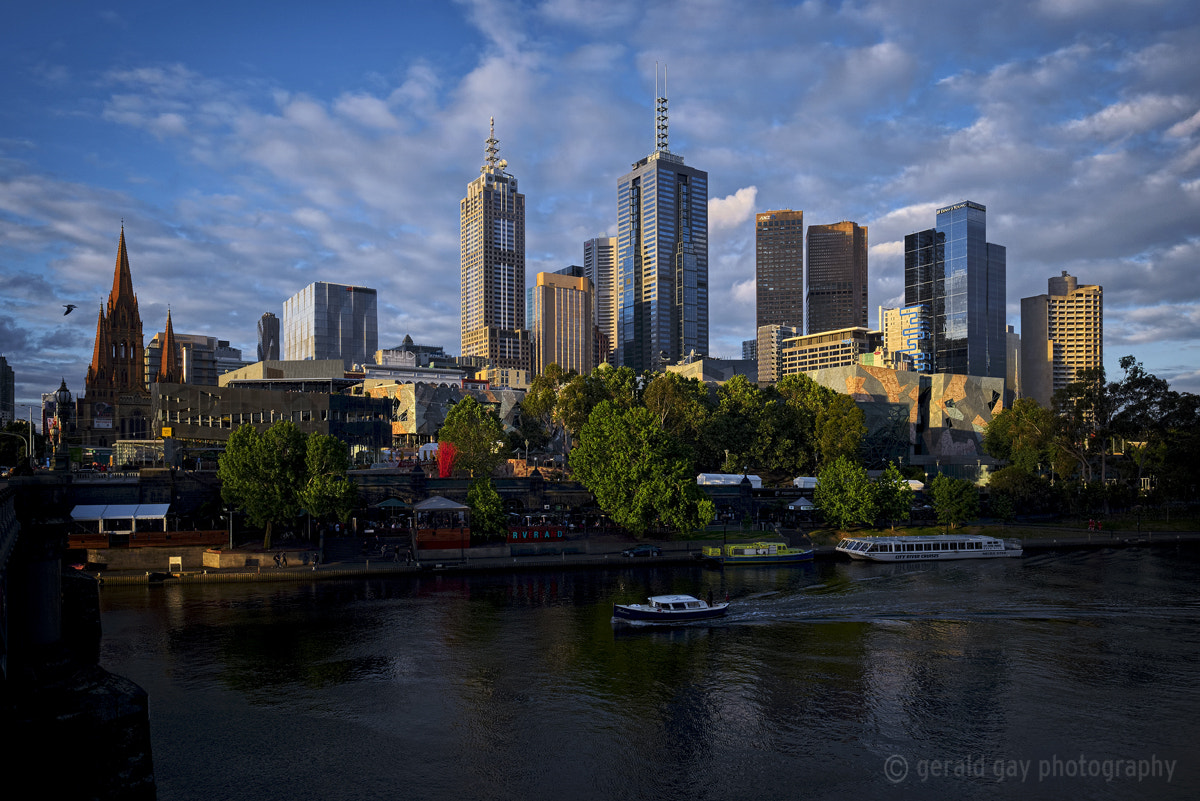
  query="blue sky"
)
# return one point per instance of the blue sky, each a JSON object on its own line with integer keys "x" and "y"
{"x": 252, "y": 148}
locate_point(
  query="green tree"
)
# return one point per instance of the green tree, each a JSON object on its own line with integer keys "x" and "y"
{"x": 328, "y": 491}
{"x": 1022, "y": 490}
{"x": 893, "y": 495}
{"x": 955, "y": 501}
{"x": 477, "y": 436}
{"x": 681, "y": 406}
{"x": 263, "y": 474}
{"x": 732, "y": 433}
{"x": 1023, "y": 435}
{"x": 844, "y": 494}
{"x": 14, "y": 450}
{"x": 639, "y": 474}
{"x": 840, "y": 429}
{"x": 487, "y": 508}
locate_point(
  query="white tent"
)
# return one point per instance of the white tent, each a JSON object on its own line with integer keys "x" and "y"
{"x": 132, "y": 512}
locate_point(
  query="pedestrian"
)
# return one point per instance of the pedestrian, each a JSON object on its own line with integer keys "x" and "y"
{"x": 276, "y": 559}
{"x": 285, "y": 559}
{"x": 710, "y": 597}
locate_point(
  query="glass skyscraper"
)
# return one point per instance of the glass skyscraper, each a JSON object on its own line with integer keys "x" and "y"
{"x": 331, "y": 321}
{"x": 662, "y": 258}
{"x": 959, "y": 277}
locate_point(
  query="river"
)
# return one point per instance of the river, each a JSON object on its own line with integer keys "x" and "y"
{"x": 1068, "y": 674}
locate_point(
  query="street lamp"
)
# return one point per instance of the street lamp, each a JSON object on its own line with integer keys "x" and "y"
{"x": 62, "y": 412}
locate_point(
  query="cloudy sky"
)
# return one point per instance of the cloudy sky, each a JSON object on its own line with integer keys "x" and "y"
{"x": 253, "y": 148}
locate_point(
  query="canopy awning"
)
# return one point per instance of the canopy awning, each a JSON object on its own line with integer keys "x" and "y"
{"x": 120, "y": 511}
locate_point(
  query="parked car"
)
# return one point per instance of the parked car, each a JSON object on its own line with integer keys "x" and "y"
{"x": 642, "y": 550}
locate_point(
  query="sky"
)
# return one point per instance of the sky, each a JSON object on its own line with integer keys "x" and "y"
{"x": 250, "y": 149}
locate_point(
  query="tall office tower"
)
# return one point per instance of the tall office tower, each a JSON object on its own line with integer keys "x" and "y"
{"x": 959, "y": 277}
{"x": 779, "y": 268}
{"x": 563, "y": 323}
{"x": 8, "y": 393}
{"x": 600, "y": 265}
{"x": 1012, "y": 378}
{"x": 331, "y": 321}
{"x": 836, "y": 277}
{"x": 662, "y": 257}
{"x": 750, "y": 350}
{"x": 770, "y": 350}
{"x": 1062, "y": 334}
{"x": 906, "y": 337}
{"x": 268, "y": 338}
{"x": 492, "y": 288}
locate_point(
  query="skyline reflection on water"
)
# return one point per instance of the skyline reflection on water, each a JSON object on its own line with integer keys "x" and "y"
{"x": 825, "y": 681}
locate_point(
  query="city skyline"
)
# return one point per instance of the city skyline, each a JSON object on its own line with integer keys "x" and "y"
{"x": 247, "y": 162}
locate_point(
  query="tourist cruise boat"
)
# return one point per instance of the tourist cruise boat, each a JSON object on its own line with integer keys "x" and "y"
{"x": 937, "y": 546}
{"x": 669, "y": 609}
{"x": 756, "y": 553}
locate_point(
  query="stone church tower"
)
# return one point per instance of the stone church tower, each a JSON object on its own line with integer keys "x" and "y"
{"x": 116, "y": 404}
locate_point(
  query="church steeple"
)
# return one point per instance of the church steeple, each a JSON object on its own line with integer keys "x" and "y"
{"x": 122, "y": 287}
{"x": 170, "y": 371}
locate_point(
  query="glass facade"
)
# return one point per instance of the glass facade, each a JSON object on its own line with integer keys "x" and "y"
{"x": 779, "y": 268}
{"x": 959, "y": 277}
{"x": 331, "y": 321}
{"x": 662, "y": 262}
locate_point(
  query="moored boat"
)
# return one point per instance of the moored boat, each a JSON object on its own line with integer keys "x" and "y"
{"x": 931, "y": 547}
{"x": 669, "y": 609}
{"x": 756, "y": 553}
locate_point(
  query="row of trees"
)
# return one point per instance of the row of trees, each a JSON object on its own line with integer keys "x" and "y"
{"x": 276, "y": 475}
{"x": 847, "y": 497}
{"x": 1100, "y": 440}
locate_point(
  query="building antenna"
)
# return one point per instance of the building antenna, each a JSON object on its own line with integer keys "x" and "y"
{"x": 661, "y": 140}
{"x": 492, "y": 145}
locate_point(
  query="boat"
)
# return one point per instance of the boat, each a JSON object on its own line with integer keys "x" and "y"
{"x": 670, "y": 609}
{"x": 756, "y": 553}
{"x": 930, "y": 547}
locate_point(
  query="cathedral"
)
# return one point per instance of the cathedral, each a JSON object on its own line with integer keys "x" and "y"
{"x": 116, "y": 404}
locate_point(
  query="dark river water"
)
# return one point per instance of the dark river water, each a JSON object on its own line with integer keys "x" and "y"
{"x": 1067, "y": 675}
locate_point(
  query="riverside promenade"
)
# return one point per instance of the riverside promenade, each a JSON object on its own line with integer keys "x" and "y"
{"x": 347, "y": 558}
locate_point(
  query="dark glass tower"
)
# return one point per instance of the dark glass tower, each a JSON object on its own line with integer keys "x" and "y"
{"x": 836, "y": 277}
{"x": 662, "y": 258}
{"x": 959, "y": 277}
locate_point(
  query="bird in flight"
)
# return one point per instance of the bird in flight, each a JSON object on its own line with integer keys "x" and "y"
{"x": 70, "y": 307}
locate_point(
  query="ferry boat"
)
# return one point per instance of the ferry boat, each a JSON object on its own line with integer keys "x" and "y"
{"x": 756, "y": 553}
{"x": 669, "y": 609}
{"x": 923, "y": 548}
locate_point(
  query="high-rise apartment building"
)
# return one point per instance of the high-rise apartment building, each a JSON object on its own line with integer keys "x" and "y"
{"x": 600, "y": 265}
{"x": 769, "y": 350}
{"x": 835, "y": 276}
{"x": 331, "y": 321}
{"x": 492, "y": 267}
{"x": 563, "y": 330}
{"x": 779, "y": 268}
{"x": 959, "y": 277}
{"x": 1062, "y": 334}
{"x": 662, "y": 258}
{"x": 268, "y": 338}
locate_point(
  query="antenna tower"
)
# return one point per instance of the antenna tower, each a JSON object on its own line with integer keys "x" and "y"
{"x": 661, "y": 140}
{"x": 493, "y": 145}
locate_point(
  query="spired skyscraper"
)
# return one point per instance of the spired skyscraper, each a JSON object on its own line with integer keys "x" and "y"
{"x": 958, "y": 277}
{"x": 492, "y": 288}
{"x": 662, "y": 258}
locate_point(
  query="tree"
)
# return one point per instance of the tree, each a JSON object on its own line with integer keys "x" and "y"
{"x": 893, "y": 495}
{"x": 477, "y": 436}
{"x": 1023, "y": 491}
{"x": 732, "y": 433}
{"x": 328, "y": 491}
{"x": 263, "y": 474}
{"x": 640, "y": 474}
{"x": 955, "y": 501}
{"x": 840, "y": 429}
{"x": 487, "y": 508}
{"x": 14, "y": 450}
{"x": 1023, "y": 435}
{"x": 844, "y": 494}
{"x": 681, "y": 407}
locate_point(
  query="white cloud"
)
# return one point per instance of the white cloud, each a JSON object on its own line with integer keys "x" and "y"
{"x": 1130, "y": 117}
{"x": 732, "y": 210}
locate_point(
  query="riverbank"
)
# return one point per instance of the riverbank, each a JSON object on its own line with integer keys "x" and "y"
{"x": 352, "y": 567}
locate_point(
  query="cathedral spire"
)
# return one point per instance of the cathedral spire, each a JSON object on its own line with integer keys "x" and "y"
{"x": 99, "y": 352}
{"x": 122, "y": 280}
{"x": 169, "y": 371}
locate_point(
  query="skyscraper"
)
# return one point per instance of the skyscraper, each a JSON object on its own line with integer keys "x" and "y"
{"x": 836, "y": 277}
{"x": 268, "y": 337}
{"x": 662, "y": 257}
{"x": 331, "y": 321}
{"x": 1062, "y": 334}
{"x": 8, "y": 393}
{"x": 779, "y": 268}
{"x": 492, "y": 267}
{"x": 600, "y": 265}
{"x": 959, "y": 277}
{"x": 563, "y": 326}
